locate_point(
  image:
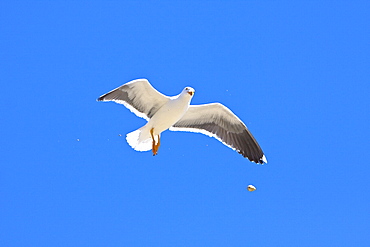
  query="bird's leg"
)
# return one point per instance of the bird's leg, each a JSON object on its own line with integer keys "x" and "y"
{"x": 153, "y": 143}
{"x": 158, "y": 144}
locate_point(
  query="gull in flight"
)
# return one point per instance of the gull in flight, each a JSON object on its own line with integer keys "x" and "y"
{"x": 175, "y": 113}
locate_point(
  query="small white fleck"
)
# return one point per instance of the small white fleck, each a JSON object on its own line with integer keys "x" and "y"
{"x": 78, "y": 140}
{"x": 264, "y": 159}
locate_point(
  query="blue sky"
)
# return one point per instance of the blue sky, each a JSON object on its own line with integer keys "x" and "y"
{"x": 297, "y": 73}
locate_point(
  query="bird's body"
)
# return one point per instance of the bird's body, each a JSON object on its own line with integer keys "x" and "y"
{"x": 166, "y": 116}
{"x": 176, "y": 113}
{"x": 171, "y": 112}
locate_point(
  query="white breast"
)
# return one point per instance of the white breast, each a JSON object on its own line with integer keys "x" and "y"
{"x": 169, "y": 114}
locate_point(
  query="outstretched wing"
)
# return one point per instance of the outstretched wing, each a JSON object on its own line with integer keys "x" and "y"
{"x": 216, "y": 120}
{"x": 138, "y": 96}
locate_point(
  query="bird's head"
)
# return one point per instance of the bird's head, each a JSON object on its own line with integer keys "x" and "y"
{"x": 189, "y": 90}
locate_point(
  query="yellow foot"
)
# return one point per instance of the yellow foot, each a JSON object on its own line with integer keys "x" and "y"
{"x": 158, "y": 144}
{"x": 155, "y": 147}
{"x": 153, "y": 142}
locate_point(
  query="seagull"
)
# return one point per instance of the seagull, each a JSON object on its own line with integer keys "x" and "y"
{"x": 176, "y": 114}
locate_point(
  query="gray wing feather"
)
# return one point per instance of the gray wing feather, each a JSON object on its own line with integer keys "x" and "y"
{"x": 216, "y": 120}
{"x": 138, "y": 96}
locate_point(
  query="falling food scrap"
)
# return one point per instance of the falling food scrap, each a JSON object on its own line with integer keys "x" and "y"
{"x": 119, "y": 135}
{"x": 251, "y": 188}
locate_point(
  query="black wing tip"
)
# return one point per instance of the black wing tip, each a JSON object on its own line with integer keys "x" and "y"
{"x": 260, "y": 160}
{"x": 101, "y": 98}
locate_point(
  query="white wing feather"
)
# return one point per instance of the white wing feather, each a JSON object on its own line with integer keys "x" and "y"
{"x": 138, "y": 96}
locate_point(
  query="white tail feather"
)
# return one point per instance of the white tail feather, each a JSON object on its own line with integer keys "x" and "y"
{"x": 140, "y": 139}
